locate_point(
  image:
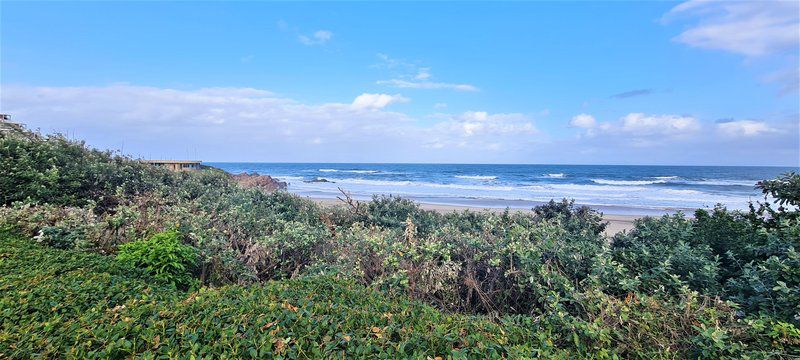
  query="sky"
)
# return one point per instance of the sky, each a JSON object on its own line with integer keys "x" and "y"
{"x": 660, "y": 83}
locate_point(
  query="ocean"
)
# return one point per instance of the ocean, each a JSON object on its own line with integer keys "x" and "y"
{"x": 637, "y": 190}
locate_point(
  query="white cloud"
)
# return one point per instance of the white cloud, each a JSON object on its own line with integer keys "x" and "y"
{"x": 744, "y": 128}
{"x": 484, "y": 133}
{"x": 766, "y": 30}
{"x": 319, "y": 37}
{"x": 584, "y": 121}
{"x": 283, "y": 25}
{"x": 376, "y": 101}
{"x": 478, "y": 123}
{"x": 742, "y": 27}
{"x": 423, "y": 74}
{"x": 788, "y": 78}
{"x": 439, "y": 106}
{"x": 170, "y": 120}
{"x": 412, "y": 76}
{"x": 638, "y": 128}
{"x": 406, "y": 84}
{"x": 647, "y": 130}
{"x": 245, "y": 124}
{"x": 639, "y": 124}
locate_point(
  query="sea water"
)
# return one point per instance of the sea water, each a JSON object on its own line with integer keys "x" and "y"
{"x": 612, "y": 189}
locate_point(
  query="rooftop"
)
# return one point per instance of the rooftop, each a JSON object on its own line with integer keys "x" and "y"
{"x": 173, "y": 161}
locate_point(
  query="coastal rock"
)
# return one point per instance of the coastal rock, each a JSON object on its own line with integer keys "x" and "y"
{"x": 320, "y": 180}
{"x": 263, "y": 182}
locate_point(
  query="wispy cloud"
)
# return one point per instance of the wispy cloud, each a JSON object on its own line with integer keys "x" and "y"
{"x": 652, "y": 130}
{"x": 377, "y": 101}
{"x": 265, "y": 126}
{"x": 484, "y": 132}
{"x": 632, "y": 93}
{"x": 316, "y": 38}
{"x": 751, "y": 28}
{"x": 409, "y": 84}
{"x": 787, "y": 78}
{"x": 584, "y": 121}
{"x": 754, "y": 29}
{"x": 282, "y": 25}
{"x": 154, "y": 121}
{"x": 408, "y": 75}
{"x": 639, "y": 124}
{"x": 319, "y": 37}
{"x": 472, "y": 123}
{"x": 639, "y": 127}
{"x": 743, "y": 128}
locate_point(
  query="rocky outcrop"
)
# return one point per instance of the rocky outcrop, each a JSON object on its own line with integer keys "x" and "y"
{"x": 263, "y": 182}
{"x": 319, "y": 180}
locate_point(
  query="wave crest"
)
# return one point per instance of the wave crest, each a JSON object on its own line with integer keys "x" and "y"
{"x": 627, "y": 182}
{"x": 477, "y": 177}
{"x": 350, "y": 171}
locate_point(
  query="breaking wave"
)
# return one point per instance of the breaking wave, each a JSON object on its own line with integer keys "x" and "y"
{"x": 350, "y": 171}
{"x": 477, "y": 177}
{"x": 627, "y": 182}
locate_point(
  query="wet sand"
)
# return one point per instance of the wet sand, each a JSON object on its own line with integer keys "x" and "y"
{"x": 616, "y": 223}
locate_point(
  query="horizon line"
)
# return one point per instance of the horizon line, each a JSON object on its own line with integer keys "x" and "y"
{"x": 515, "y": 164}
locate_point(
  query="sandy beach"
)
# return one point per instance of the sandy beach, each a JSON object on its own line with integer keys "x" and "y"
{"x": 616, "y": 223}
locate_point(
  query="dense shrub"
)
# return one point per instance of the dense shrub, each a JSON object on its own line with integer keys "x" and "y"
{"x": 574, "y": 218}
{"x": 785, "y": 189}
{"x": 163, "y": 256}
{"x": 750, "y": 258}
{"x": 58, "y": 171}
{"x": 662, "y": 254}
{"x": 57, "y": 303}
{"x": 498, "y": 263}
{"x": 62, "y": 303}
{"x": 724, "y": 283}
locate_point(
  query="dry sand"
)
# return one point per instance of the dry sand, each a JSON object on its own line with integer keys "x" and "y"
{"x": 616, "y": 223}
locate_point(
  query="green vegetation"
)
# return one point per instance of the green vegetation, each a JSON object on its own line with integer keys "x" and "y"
{"x": 162, "y": 256}
{"x": 207, "y": 268}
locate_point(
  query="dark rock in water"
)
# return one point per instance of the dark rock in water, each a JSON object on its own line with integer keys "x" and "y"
{"x": 320, "y": 180}
{"x": 263, "y": 182}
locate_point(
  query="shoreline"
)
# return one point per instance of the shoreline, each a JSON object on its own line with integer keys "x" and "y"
{"x": 616, "y": 222}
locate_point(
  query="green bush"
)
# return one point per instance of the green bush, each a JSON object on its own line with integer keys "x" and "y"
{"x": 58, "y": 171}
{"x": 574, "y": 218}
{"x": 662, "y": 254}
{"x": 164, "y": 257}
{"x": 724, "y": 283}
{"x": 64, "y": 303}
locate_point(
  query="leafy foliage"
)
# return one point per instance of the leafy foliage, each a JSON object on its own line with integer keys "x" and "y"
{"x": 663, "y": 254}
{"x": 58, "y": 303}
{"x": 786, "y": 189}
{"x": 543, "y": 283}
{"x": 163, "y": 256}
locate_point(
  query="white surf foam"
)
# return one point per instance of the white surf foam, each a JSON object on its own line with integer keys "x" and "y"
{"x": 723, "y": 182}
{"x": 476, "y": 177}
{"x": 627, "y": 182}
{"x": 350, "y": 171}
{"x": 555, "y": 176}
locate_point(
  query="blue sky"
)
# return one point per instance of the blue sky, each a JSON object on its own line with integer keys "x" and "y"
{"x": 463, "y": 82}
